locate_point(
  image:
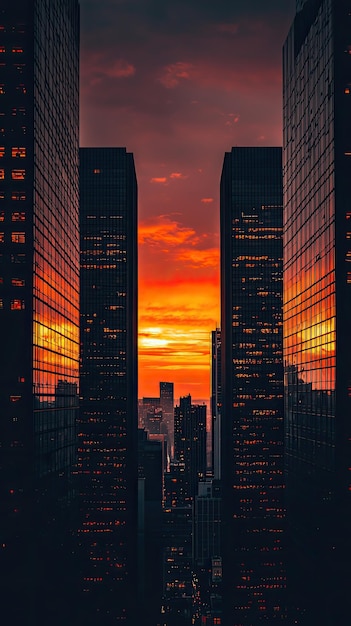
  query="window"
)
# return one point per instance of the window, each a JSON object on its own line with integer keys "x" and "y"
{"x": 17, "y": 305}
{"x": 18, "y": 195}
{"x": 2, "y": 89}
{"x": 17, "y": 50}
{"x": 2, "y": 151}
{"x": 2, "y": 237}
{"x": 18, "y": 216}
{"x": 18, "y": 174}
{"x": 18, "y": 152}
{"x": 2, "y": 174}
{"x": 18, "y": 258}
{"x": 2, "y": 216}
{"x": 18, "y": 282}
{"x": 1, "y": 303}
{"x": 18, "y": 237}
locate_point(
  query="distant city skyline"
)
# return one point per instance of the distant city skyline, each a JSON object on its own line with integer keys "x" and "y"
{"x": 179, "y": 87}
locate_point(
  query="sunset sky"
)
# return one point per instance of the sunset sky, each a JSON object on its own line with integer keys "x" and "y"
{"x": 179, "y": 83}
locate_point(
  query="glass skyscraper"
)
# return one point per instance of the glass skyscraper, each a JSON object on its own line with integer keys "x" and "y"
{"x": 39, "y": 299}
{"x": 317, "y": 304}
{"x": 252, "y": 386}
{"x": 108, "y": 413}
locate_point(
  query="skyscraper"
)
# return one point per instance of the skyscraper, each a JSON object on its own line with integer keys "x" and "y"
{"x": 108, "y": 415}
{"x": 39, "y": 300}
{"x": 167, "y": 404}
{"x": 190, "y": 442}
{"x": 216, "y": 401}
{"x": 317, "y": 304}
{"x": 252, "y": 385}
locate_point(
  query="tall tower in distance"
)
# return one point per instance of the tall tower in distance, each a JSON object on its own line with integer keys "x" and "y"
{"x": 252, "y": 386}
{"x": 108, "y": 413}
{"x": 216, "y": 401}
{"x": 190, "y": 443}
{"x": 167, "y": 405}
{"x": 39, "y": 303}
{"x": 317, "y": 305}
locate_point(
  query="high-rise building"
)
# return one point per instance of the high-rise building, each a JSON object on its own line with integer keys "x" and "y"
{"x": 39, "y": 301}
{"x": 252, "y": 385}
{"x": 108, "y": 414}
{"x": 216, "y": 401}
{"x": 167, "y": 404}
{"x": 317, "y": 304}
{"x": 190, "y": 442}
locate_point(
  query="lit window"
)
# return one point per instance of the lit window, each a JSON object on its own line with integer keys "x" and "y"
{"x": 18, "y": 152}
{"x": 2, "y": 89}
{"x": 18, "y": 216}
{"x": 2, "y": 174}
{"x": 15, "y": 398}
{"x": 2, "y": 151}
{"x": 18, "y": 195}
{"x": 96, "y": 171}
{"x": 18, "y": 174}
{"x": 2, "y": 237}
{"x": 18, "y": 237}
{"x": 17, "y": 305}
{"x": 1, "y": 303}
{"x": 2, "y": 49}
{"x": 2, "y": 216}
{"x": 17, "y": 50}
{"x": 18, "y": 282}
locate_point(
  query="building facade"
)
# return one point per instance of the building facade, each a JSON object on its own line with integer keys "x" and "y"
{"x": 108, "y": 412}
{"x": 317, "y": 304}
{"x": 190, "y": 442}
{"x": 167, "y": 405}
{"x": 216, "y": 401}
{"x": 39, "y": 301}
{"x": 252, "y": 386}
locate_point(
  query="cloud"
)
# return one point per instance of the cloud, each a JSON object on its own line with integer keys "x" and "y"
{"x": 162, "y": 179}
{"x": 172, "y": 74}
{"x": 166, "y": 232}
{"x": 178, "y": 175}
{"x": 200, "y": 258}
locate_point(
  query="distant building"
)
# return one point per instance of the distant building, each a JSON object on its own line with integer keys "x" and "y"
{"x": 167, "y": 405}
{"x": 252, "y": 386}
{"x": 39, "y": 305}
{"x": 108, "y": 413}
{"x": 190, "y": 442}
{"x": 317, "y": 305}
{"x": 216, "y": 401}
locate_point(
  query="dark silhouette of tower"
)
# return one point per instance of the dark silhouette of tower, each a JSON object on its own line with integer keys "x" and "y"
{"x": 252, "y": 385}
{"x": 108, "y": 414}
{"x": 39, "y": 300}
{"x": 317, "y": 305}
{"x": 216, "y": 401}
{"x": 167, "y": 405}
{"x": 190, "y": 442}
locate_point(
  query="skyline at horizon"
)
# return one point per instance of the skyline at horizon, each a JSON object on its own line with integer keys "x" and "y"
{"x": 167, "y": 88}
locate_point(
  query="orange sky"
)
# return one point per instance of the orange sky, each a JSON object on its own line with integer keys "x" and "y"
{"x": 179, "y": 87}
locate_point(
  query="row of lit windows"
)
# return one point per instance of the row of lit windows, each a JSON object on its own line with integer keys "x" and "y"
{"x": 16, "y": 237}
{"x": 15, "y": 174}
{"x": 15, "y": 305}
{"x": 16, "y": 282}
{"x": 16, "y": 216}
{"x": 16, "y": 152}
{"x": 14, "y": 50}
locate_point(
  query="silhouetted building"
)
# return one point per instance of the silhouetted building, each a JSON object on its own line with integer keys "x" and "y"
{"x": 317, "y": 305}
{"x": 150, "y": 460}
{"x": 190, "y": 442}
{"x": 167, "y": 405}
{"x": 39, "y": 299}
{"x": 216, "y": 401}
{"x": 108, "y": 415}
{"x": 252, "y": 385}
